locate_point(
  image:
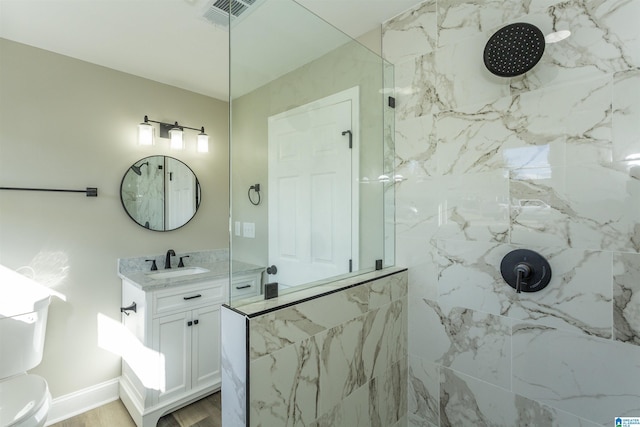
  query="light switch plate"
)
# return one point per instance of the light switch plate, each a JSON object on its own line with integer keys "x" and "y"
{"x": 249, "y": 229}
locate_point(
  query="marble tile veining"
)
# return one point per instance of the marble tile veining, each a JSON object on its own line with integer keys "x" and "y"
{"x": 602, "y": 42}
{"x": 578, "y": 298}
{"x": 548, "y": 161}
{"x": 411, "y": 34}
{"x": 284, "y": 327}
{"x": 290, "y": 325}
{"x": 467, "y": 401}
{"x": 567, "y": 125}
{"x": 626, "y": 115}
{"x": 301, "y": 382}
{"x": 415, "y": 154}
{"x": 459, "y": 19}
{"x": 423, "y": 391}
{"x": 626, "y": 297}
{"x": 474, "y": 207}
{"x": 233, "y": 360}
{"x": 352, "y": 412}
{"x": 476, "y": 343}
{"x": 338, "y": 360}
{"x": 590, "y": 207}
{"x": 550, "y": 366}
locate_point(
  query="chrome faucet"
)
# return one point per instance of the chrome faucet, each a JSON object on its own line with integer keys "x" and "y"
{"x": 167, "y": 261}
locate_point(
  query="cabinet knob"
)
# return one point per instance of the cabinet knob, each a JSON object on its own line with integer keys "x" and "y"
{"x": 195, "y": 322}
{"x": 189, "y": 323}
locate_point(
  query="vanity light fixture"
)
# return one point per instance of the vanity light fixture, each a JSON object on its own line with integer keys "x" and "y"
{"x": 145, "y": 133}
{"x": 202, "y": 145}
{"x": 175, "y": 135}
{"x": 175, "y": 132}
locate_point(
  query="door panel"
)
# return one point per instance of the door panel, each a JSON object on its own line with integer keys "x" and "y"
{"x": 181, "y": 194}
{"x": 172, "y": 339}
{"x": 310, "y": 205}
{"x": 206, "y": 351}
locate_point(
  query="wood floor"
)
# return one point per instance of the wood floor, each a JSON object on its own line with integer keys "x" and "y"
{"x": 203, "y": 413}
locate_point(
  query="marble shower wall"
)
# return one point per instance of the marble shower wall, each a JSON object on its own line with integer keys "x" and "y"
{"x": 548, "y": 161}
{"x": 336, "y": 360}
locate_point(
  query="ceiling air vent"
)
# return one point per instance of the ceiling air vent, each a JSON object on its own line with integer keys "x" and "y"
{"x": 217, "y": 11}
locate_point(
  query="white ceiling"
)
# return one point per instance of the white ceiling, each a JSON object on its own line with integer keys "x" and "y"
{"x": 163, "y": 40}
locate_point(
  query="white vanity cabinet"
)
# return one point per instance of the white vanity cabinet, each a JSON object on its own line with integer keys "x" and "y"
{"x": 178, "y": 359}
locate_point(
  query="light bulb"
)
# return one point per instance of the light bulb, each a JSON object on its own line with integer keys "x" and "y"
{"x": 203, "y": 143}
{"x": 175, "y": 135}
{"x": 145, "y": 134}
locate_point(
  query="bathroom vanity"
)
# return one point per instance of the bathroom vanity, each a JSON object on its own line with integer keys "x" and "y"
{"x": 172, "y": 321}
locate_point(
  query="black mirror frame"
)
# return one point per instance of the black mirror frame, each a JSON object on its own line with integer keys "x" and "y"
{"x": 198, "y": 192}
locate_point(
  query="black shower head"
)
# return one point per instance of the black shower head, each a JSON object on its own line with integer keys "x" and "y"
{"x": 137, "y": 170}
{"x": 514, "y": 49}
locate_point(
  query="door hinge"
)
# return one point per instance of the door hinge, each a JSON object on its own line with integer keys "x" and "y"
{"x": 392, "y": 102}
{"x": 350, "y": 266}
{"x": 348, "y": 132}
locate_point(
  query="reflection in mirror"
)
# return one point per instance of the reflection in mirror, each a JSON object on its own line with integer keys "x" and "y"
{"x": 310, "y": 122}
{"x": 160, "y": 193}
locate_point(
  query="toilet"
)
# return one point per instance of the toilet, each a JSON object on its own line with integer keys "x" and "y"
{"x": 24, "y": 304}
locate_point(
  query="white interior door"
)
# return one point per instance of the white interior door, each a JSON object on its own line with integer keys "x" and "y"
{"x": 311, "y": 166}
{"x": 180, "y": 194}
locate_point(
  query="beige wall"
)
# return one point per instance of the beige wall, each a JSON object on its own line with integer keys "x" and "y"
{"x": 372, "y": 40}
{"x": 65, "y": 123}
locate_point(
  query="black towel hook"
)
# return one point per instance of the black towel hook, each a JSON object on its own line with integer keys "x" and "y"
{"x": 256, "y": 188}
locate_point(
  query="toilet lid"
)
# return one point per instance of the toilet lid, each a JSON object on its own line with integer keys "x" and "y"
{"x": 21, "y": 397}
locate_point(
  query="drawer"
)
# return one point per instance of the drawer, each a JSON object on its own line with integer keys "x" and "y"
{"x": 187, "y": 298}
{"x": 245, "y": 286}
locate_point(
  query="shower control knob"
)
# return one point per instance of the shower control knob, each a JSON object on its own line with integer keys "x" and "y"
{"x": 525, "y": 270}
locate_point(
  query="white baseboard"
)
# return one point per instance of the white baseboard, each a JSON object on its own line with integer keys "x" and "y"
{"x": 80, "y": 401}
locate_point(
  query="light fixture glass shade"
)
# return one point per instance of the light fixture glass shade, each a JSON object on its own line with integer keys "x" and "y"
{"x": 177, "y": 143}
{"x": 145, "y": 134}
{"x": 203, "y": 143}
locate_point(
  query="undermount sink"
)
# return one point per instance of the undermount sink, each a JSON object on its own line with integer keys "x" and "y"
{"x": 178, "y": 272}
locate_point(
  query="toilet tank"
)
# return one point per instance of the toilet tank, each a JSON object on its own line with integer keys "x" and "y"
{"x": 24, "y": 305}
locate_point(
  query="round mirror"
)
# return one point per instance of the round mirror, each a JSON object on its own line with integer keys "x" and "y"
{"x": 160, "y": 193}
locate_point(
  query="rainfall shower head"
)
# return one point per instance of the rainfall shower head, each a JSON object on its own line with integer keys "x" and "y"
{"x": 514, "y": 49}
{"x": 136, "y": 169}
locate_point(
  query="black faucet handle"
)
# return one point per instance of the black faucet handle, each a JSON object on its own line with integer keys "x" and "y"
{"x": 154, "y": 267}
{"x": 181, "y": 264}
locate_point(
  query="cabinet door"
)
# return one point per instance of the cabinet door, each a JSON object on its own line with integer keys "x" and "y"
{"x": 172, "y": 339}
{"x": 205, "y": 346}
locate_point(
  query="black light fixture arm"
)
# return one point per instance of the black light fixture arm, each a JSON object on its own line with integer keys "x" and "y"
{"x": 173, "y": 125}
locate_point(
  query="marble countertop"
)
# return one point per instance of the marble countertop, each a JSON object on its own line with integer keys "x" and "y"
{"x": 217, "y": 270}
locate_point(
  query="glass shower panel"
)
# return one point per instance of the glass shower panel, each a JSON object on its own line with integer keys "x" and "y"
{"x": 311, "y": 125}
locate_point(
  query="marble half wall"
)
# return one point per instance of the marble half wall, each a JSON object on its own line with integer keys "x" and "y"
{"x": 338, "y": 359}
